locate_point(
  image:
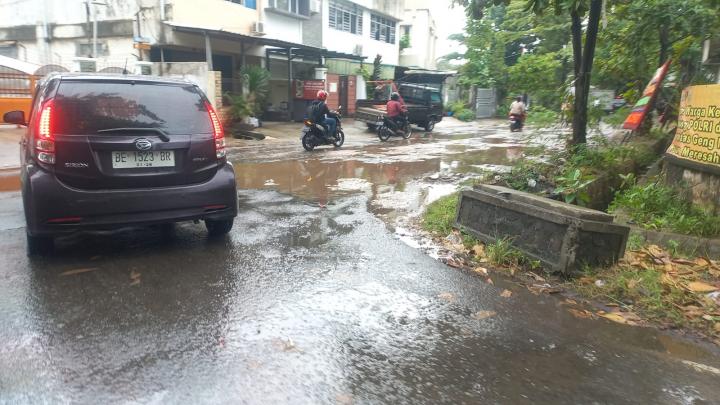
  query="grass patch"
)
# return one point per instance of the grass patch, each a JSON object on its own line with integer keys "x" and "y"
{"x": 465, "y": 115}
{"x": 659, "y": 207}
{"x": 541, "y": 117}
{"x": 502, "y": 253}
{"x": 440, "y": 215}
{"x": 618, "y": 117}
{"x": 643, "y": 289}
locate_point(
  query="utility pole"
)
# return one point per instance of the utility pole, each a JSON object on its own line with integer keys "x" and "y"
{"x": 93, "y": 10}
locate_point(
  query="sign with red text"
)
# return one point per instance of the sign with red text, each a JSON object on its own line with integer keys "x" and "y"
{"x": 698, "y": 130}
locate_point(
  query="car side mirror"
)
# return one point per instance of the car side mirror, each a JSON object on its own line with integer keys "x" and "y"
{"x": 15, "y": 117}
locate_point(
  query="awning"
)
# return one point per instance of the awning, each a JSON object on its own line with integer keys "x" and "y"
{"x": 425, "y": 76}
{"x": 298, "y": 50}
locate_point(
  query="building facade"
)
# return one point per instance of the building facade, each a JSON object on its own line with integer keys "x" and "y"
{"x": 420, "y": 33}
{"x": 293, "y": 39}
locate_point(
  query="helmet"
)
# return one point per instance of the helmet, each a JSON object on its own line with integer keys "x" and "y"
{"x": 322, "y": 95}
{"x": 394, "y": 96}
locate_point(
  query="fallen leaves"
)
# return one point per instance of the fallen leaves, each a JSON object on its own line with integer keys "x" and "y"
{"x": 506, "y": 294}
{"x": 614, "y": 316}
{"x": 622, "y": 317}
{"x": 700, "y": 287}
{"x": 581, "y": 313}
{"x": 134, "y": 277}
{"x": 480, "y": 315}
{"x": 78, "y": 271}
{"x": 478, "y": 250}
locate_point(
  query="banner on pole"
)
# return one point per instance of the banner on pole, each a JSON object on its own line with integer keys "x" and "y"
{"x": 643, "y": 105}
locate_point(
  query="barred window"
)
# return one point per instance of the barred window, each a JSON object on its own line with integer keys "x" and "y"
{"x": 382, "y": 29}
{"x": 346, "y": 17}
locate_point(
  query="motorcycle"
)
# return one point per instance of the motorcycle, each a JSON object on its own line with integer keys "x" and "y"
{"x": 516, "y": 122}
{"x": 314, "y": 134}
{"x": 385, "y": 128}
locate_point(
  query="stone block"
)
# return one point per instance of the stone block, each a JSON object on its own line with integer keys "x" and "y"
{"x": 562, "y": 236}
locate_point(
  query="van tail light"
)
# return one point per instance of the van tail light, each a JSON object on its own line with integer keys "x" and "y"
{"x": 218, "y": 133}
{"x": 45, "y": 140}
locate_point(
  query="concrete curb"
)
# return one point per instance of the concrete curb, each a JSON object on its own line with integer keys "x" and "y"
{"x": 562, "y": 236}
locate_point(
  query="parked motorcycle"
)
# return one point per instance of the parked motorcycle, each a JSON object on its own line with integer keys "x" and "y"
{"x": 516, "y": 122}
{"x": 314, "y": 134}
{"x": 385, "y": 128}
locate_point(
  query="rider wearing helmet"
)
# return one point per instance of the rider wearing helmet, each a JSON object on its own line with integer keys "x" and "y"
{"x": 320, "y": 113}
{"x": 395, "y": 109}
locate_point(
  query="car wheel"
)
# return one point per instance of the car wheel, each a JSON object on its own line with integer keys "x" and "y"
{"x": 430, "y": 125}
{"x": 307, "y": 142}
{"x": 39, "y": 245}
{"x": 218, "y": 227}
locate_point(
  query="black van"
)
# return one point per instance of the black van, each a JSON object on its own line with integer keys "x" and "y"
{"x": 108, "y": 151}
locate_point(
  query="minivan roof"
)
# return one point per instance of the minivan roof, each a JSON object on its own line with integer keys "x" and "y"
{"x": 79, "y": 76}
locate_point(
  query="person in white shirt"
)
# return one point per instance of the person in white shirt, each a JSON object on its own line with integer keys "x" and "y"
{"x": 518, "y": 110}
{"x": 517, "y": 107}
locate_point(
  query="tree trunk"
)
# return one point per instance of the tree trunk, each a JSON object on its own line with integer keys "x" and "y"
{"x": 576, "y": 31}
{"x": 582, "y": 80}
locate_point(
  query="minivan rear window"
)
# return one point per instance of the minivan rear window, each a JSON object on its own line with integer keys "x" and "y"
{"x": 84, "y": 107}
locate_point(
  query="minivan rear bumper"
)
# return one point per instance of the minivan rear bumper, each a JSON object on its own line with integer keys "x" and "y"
{"x": 53, "y": 208}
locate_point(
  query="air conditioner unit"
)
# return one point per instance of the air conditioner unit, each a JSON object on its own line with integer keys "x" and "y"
{"x": 358, "y": 50}
{"x": 315, "y": 6}
{"x": 143, "y": 68}
{"x": 258, "y": 28}
{"x": 84, "y": 65}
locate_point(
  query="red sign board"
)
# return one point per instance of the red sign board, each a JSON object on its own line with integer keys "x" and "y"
{"x": 643, "y": 105}
{"x": 307, "y": 89}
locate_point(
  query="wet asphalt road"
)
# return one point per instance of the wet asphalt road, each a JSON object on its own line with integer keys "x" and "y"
{"x": 312, "y": 298}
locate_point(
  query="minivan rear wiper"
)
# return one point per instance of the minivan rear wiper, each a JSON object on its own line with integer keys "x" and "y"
{"x": 162, "y": 134}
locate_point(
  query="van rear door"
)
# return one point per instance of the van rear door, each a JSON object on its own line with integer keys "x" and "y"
{"x": 118, "y": 133}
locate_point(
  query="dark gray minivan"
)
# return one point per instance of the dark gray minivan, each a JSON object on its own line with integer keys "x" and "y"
{"x": 109, "y": 151}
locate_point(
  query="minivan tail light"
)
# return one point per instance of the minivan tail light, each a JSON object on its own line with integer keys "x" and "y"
{"x": 45, "y": 141}
{"x": 218, "y": 133}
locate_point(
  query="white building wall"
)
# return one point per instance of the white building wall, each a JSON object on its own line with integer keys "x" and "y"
{"x": 283, "y": 27}
{"x": 30, "y": 12}
{"x": 340, "y": 41}
{"x": 423, "y": 38}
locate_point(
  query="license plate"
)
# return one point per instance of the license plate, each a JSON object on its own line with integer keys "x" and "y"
{"x": 135, "y": 159}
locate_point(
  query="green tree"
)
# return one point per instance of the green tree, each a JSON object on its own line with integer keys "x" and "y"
{"x": 579, "y": 12}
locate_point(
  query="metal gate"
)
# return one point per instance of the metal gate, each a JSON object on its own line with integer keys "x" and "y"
{"x": 485, "y": 103}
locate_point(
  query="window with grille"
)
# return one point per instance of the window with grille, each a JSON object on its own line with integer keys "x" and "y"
{"x": 346, "y": 17}
{"x": 300, "y": 7}
{"x": 382, "y": 29}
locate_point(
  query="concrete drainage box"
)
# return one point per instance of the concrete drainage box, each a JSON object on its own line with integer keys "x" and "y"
{"x": 562, "y": 236}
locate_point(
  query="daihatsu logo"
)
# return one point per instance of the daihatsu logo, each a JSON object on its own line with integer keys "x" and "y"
{"x": 143, "y": 144}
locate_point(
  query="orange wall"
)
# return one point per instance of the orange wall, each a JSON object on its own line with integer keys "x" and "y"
{"x": 15, "y": 103}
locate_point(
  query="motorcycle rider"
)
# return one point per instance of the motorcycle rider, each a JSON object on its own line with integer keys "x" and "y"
{"x": 518, "y": 109}
{"x": 395, "y": 111}
{"x": 321, "y": 114}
